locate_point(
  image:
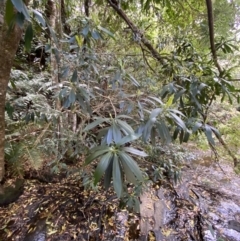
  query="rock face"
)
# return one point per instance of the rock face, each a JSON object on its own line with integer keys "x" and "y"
{"x": 12, "y": 193}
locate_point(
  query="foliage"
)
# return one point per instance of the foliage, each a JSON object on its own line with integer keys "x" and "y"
{"x": 113, "y": 95}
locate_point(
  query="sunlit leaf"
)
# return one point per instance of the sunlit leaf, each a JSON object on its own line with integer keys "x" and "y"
{"x": 170, "y": 101}
{"x": 25, "y": 12}
{"x": 39, "y": 17}
{"x": 18, "y": 4}
{"x": 135, "y": 151}
{"x": 155, "y": 113}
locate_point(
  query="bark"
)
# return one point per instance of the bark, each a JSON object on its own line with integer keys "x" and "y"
{"x": 66, "y": 26}
{"x": 211, "y": 35}
{"x": 9, "y": 43}
{"x": 54, "y": 16}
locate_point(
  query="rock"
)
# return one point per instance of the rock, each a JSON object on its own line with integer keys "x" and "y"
{"x": 11, "y": 194}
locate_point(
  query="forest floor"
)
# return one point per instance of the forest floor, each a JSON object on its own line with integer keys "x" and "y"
{"x": 205, "y": 205}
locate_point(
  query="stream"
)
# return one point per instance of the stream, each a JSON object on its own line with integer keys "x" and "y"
{"x": 205, "y": 205}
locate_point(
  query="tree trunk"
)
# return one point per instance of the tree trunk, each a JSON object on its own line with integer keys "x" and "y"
{"x": 53, "y": 12}
{"x": 9, "y": 43}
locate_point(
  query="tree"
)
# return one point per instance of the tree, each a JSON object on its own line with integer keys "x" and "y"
{"x": 9, "y": 38}
{"x": 189, "y": 91}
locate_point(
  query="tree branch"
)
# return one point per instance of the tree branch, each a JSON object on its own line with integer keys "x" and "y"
{"x": 211, "y": 35}
{"x": 136, "y": 31}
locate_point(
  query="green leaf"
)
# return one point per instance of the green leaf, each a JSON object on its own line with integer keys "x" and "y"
{"x": 110, "y": 135}
{"x": 147, "y": 130}
{"x": 156, "y": 99}
{"x": 28, "y": 37}
{"x": 95, "y": 123}
{"x": 64, "y": 72}
{"x": 106, "y": 31}
{"x": 128, "y": 138}
{"x": 215, "y": 131}
{"x": 153, "y": 136}
{"x": 186, "y": 136}
{"x": 9, "y": 12}
{"x": 208, "y": 133}
{"x": 196, "y": 126}
{"x": 135, "y": 151}
{"x": 74, "y": 76}
{"x": 117, "y": 176}
{"x": 97, "y": 148}
{"x": 102, "y": 166}
{"x": 128, "y": 173}
{"x": 102, "y": 132}
{"x": 18, "y": 4}
{"x": 19, "y": 20}
{"x": 10, "y": 110}
{"x": 72, "y": 96}
{"x": 176, "y": 132}
{"x": 123, "y": 116}
{"x": 85, "y": 31}
{"x": 134, "y": 81}
{"x": 116, "y": 133}
{"x": 95, "y": 155}
{"x": 163, "y": 132}
{"x": 95, "y": 35}
{"x": 124, "y": 126}
{"x": 181, "y": 136}
{"x": 155, "y": 113}
{"x": 178, "y": 121}
{"x": 25, "y": 12}
{"x": 39, "y": 17}
{"x": 132, "y": 165}
{"x": 170, "y": 101}
{"x": 108, "y": 174}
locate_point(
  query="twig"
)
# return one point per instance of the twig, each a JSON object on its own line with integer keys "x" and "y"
{"x": 214, "y": 150}
{"x": 145, "y": 59}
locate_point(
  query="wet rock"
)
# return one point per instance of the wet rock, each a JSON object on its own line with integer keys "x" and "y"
{"x": 11, "y": 194}
{"x": 233, "y": 224}
{"x": 39, "y": 233}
